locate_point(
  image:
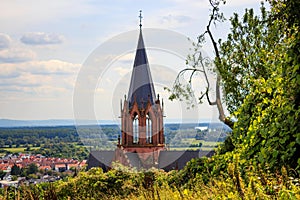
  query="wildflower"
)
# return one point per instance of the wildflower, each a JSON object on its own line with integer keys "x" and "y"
{"x": 185, "y": 192}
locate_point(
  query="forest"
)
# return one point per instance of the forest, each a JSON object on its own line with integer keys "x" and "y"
{"x": 65, "y": 142}
{"x": 258, "y": 69}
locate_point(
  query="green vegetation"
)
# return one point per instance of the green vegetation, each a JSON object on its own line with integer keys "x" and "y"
{"x": 63, "y": 142}
{"x": 189, "y": 183}
{"x": 42, "y": 140}
{"x": 266, "y": 55}
{"x": 27, "y": 172}
{"x": 258, "y": 69}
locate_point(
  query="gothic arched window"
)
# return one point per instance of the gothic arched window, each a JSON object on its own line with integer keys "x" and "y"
{"x": 148, "y": 129}
{"x": 136, "y": 129}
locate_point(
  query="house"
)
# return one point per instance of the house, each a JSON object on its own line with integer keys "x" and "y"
{"x": 60, "y": 167}
{"x": 71, "y": 165}
{"x": 45, "y": 167}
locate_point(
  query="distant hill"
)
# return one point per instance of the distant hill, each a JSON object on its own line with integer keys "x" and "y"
{"x": 49, "y": 122}
{"x": 20, "y": 123}
{"x": 9, "y": 123}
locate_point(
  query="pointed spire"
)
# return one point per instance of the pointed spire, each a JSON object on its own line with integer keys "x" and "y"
{"x": 141, "y": 84}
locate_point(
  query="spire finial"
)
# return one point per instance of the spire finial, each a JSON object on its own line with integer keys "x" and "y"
{"x": 140, "y": 16}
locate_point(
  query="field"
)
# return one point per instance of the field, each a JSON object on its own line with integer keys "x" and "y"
{"x": 19, "y": 149}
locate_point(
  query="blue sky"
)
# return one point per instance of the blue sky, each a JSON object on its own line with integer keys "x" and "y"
{"x": 43, "y": 45}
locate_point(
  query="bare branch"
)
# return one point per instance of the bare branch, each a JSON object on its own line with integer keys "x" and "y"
{"x": 199, "y": 65}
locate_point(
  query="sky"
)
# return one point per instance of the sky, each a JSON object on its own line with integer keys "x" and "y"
{"x": 45, "y": 44}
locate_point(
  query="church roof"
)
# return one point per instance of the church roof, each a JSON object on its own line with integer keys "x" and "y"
{"x": 101, "y": 159}
{"x": 173, "y": 160}
{"x": 141, "y": 86}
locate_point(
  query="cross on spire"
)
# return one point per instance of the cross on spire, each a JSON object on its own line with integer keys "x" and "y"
{"x": 140, "y": 16}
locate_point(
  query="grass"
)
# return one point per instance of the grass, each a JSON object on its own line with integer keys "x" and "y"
{"x": 190, "y": 148}
{"x": 19, "y": 149}
{"x": 206, "y": 145}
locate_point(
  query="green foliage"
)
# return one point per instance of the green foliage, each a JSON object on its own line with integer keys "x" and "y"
{"x": 15, "y": 170}
{"x": 198, "y": 180}
{"x": 268, "y": 128}
{"x": 32, "y": 168}
{"x": 98, "y": 185}
{"x": 62, "y": 150}
{"x": 241, "y": 56}
{"x": 2, "y": 174}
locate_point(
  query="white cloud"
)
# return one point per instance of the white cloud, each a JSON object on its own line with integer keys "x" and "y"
{"x": 52, "y": 67}
{"x": 5, "y": 41}
{"x": 26, "y": 79}
{"x": 14, "y": 55}
{"x": 122, "y": 70}
{"x": 127, "y": 58}
{"x": 12, "y": 52}
{"x": 47, "y": 67}
{"x": 8, "y": 70}
{"x": 37, "y": 79}
{"x": 40, "y": 38}
{"x": 50, "y": 89}
{"x": 177, "y": 19}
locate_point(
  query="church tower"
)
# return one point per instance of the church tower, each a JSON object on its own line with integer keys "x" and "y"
{"x": 141, "y": 115}
{"x": 141, "y": 143}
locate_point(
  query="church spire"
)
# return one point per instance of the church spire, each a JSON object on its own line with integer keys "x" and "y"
{"x": 141, "y": 84}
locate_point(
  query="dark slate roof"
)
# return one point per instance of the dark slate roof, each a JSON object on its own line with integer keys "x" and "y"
{"x": 141, "y": 85}
{"x": 171, "y": 160}
{"x": 134, "y": 160}
{"x": 101, "y": 159}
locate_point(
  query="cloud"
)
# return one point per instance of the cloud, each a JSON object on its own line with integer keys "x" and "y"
{"x": 176, "y": 19}
{"x": 172, "y": 19}
{"x": 5, "y": 41}
{"x": 122, "y": 71}
{"x": 37, "y": 79}
{"x": 57, "y": 67}
{"x": 47, "y": 67}
{"x": 8, "y": 71}
{"x": 12, "y": 52}
{"x": 127, "y": 58}
{"x": 15, "y": 55}
{"x": 25, "y": 79}
{"x": 40, "y": 38}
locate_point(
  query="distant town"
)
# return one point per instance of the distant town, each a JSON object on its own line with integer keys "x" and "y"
{"x": 16, "y": 169}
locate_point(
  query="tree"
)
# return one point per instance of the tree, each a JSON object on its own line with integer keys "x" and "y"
{"x": 273, "y": 133}
{"x": 258, "y": 69}
{"x": 2, "y": 174}
{"x": 32, "y": 168}
{"x": 199, "y": 64}
{"x": 15, "y": 170}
